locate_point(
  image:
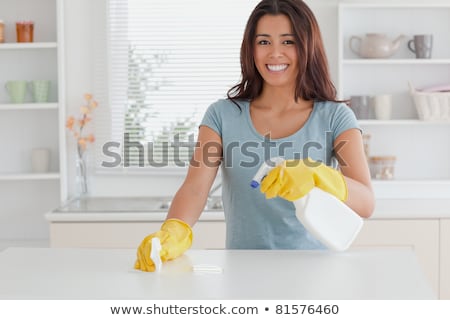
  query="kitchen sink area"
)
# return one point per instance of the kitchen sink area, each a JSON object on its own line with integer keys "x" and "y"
{"x": 127, "y": 204}
{"x": 126, "y": 209}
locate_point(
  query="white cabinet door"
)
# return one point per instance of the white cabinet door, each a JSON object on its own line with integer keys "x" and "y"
{"x": 420, "y": 235}
{"x": 445, "y": 259}
{"x": 100, "y": 234}
{"x": 207, "y": 234}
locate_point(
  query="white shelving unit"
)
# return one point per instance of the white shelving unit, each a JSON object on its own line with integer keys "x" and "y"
{"x": 421, "y": 147}
{"x": 26, "y": 196}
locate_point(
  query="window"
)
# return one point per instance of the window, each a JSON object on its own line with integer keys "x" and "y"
{"x": 168, "y": 60}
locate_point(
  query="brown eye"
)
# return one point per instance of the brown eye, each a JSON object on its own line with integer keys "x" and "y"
{"x": 263, "y": 42}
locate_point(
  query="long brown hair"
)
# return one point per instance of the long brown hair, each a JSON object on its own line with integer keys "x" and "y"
{"x": 313, "y": 79}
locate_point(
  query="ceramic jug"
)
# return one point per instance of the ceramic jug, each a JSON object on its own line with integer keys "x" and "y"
{"x": 374, "y": 45}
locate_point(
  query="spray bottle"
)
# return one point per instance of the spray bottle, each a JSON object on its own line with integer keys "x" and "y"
{"x": 326, "y": 217}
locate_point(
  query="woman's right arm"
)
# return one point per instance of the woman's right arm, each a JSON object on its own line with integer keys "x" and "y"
{"x": 191, "y": 197}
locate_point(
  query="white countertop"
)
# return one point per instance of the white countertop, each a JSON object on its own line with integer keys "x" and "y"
{"x": 35, "y": 273}
{"x": 147, "y": 209}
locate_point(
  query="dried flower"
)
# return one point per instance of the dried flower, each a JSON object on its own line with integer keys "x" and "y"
{"x": 76, "y": 126}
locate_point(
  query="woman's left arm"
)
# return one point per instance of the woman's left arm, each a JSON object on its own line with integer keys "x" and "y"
{"x": 349, "y": 151}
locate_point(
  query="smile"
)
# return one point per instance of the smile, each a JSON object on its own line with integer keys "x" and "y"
{"x": 277, "y": 67}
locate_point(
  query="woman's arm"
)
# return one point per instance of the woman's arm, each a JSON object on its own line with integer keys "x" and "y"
{"x": 353, "y": 164}
{"x": 190, "y": 199}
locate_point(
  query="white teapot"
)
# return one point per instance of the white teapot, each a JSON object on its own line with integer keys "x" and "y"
{"x": 374, "y": 45}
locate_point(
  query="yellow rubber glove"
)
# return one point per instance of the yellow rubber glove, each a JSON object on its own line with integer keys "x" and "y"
{"x": 293, "y": 179}
{"x": 175, "y": 236}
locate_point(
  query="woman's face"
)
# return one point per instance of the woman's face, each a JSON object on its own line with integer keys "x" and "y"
{"x": 275, "y": 52}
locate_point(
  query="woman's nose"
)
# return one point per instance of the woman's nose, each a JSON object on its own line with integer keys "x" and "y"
{"x": 276, "y": 51}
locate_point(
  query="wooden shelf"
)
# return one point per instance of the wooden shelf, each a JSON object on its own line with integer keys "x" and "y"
{"x": 29, "y": 106}
{"x": 29, "y": 176}
{"x": 27, "y": 45}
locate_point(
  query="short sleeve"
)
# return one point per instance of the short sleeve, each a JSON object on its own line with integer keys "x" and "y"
{"x": 212, "y": 118}
{"x": 343, "y": 119}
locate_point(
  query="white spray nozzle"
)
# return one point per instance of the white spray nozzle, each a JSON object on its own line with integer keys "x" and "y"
{"x": 264, "y": 170}
{"x": 155, "y": 254}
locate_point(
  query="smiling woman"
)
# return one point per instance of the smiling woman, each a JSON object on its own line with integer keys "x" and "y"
{"x": 283, "y": 101}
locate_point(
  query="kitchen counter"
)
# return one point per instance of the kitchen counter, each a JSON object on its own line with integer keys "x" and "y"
{"x": 35, "y": 273}
{"x": 149, "y": 209}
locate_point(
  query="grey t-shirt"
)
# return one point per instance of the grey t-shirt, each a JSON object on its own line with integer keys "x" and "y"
{"x": 254, "y": 222}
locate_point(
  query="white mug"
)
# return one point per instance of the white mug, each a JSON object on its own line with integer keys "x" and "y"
{"x": 40, "y": 160}
{"x": 383, "y": 106}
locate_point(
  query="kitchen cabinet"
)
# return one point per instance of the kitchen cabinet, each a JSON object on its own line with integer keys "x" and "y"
{"x": 207, "y": 234}
{"x": 24, "y": 195}
{"x": 445, "y": 259}
{"x": 362, "y": 76}
{"x": 422, "y": 235}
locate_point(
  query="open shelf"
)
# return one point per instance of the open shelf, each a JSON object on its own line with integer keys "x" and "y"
{"x": 362, "y": 61}
{"x": 402, "y": 122}
{"x": 27, "y": 45}
{"x": 29, "y": 106}
{"x": 29, "y": 176}
{"x": 390, "y": 5}
{"x": 421, "y": 147}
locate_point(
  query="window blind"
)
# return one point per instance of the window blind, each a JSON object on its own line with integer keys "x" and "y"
{"x": 168, "y": 60}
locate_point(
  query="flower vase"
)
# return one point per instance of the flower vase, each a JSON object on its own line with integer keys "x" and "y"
{"x": 81, "y": 176}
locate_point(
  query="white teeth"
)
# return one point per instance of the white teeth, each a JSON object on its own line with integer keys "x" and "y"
{"x": 276, "y": 67}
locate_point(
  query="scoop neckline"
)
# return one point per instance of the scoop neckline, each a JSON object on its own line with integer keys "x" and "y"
{"x": 259, "y": 135}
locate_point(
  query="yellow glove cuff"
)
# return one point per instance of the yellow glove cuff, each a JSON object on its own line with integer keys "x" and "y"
{"x": 331, "y": 180}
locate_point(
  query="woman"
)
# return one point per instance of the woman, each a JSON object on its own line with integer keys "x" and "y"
{"x": 285, "y": 105}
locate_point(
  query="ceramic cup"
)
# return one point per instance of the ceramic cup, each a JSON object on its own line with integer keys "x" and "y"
{"x": 16, "y": 90}
{"x": 360, "y": 106}
{"x": 421, "y": 45}
{"x": 40, "y": 90}
{"x": 382, "y": 105}
{"x": 40, "y": 160}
